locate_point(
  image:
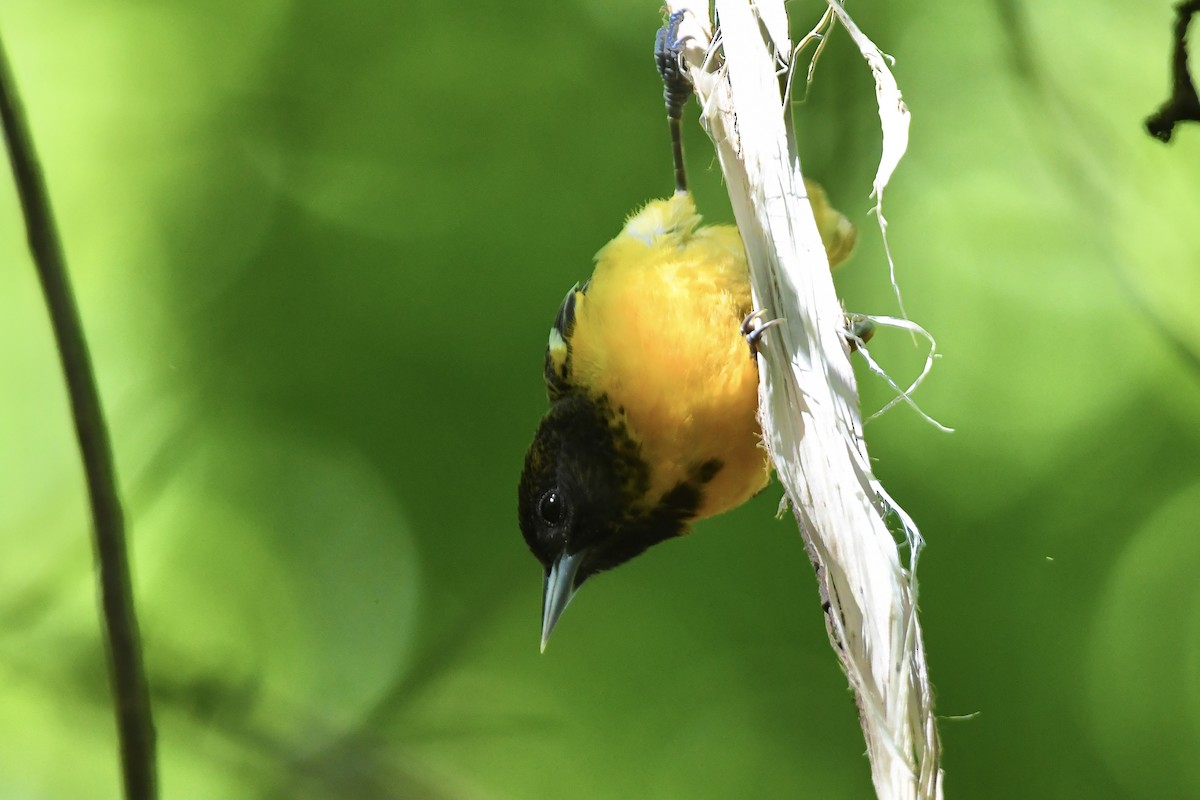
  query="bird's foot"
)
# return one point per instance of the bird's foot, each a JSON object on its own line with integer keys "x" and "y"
{"x": 858, "y": 332}
{"x": 753, "y": 329}
{"x": 668, "y": 54}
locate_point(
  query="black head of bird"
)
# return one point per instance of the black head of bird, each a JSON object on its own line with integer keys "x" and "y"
{"x": 581, "y": 500}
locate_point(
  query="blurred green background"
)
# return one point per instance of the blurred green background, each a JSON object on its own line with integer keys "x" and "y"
{"x": 317, "y": 248}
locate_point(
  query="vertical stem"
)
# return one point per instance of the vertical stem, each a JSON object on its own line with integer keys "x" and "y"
{"x": 135, "y": 727}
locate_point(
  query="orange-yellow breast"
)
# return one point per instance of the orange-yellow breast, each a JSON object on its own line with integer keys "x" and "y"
{"x": 658, "y": 332}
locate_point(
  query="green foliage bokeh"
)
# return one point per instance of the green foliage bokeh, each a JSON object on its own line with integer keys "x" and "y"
{"x": 317, "y": 248}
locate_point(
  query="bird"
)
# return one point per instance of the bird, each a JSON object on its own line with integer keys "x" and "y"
{"x": 652, "y": 424}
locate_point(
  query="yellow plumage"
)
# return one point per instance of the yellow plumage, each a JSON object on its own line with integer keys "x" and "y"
{"x": 653, "y": 419}
{"x": 657, "y": 332}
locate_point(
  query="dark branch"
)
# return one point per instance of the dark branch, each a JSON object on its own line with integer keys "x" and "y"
{"x": 135, "y": 728}
{"x": 1183, "y": 105}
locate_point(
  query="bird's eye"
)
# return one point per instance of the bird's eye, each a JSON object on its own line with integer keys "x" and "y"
{"x": 552, "y": 507}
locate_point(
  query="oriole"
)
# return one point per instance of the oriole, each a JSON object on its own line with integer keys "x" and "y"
{"x": 653, "y": 396}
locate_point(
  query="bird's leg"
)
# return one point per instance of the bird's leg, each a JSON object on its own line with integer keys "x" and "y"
{"x": 677, "y": 89}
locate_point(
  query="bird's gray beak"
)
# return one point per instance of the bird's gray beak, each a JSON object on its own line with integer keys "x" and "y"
{"x": 560, "y": 588}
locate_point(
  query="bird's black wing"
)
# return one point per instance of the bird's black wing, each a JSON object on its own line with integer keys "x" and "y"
{"x": 558, "y": 350}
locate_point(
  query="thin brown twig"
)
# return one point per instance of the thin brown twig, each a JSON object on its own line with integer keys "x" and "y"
{"x": 135, "y": 726}
{"x": 1183, "y": 105}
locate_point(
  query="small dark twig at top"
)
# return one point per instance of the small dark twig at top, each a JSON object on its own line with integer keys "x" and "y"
{"x": 1183, "y": 105}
